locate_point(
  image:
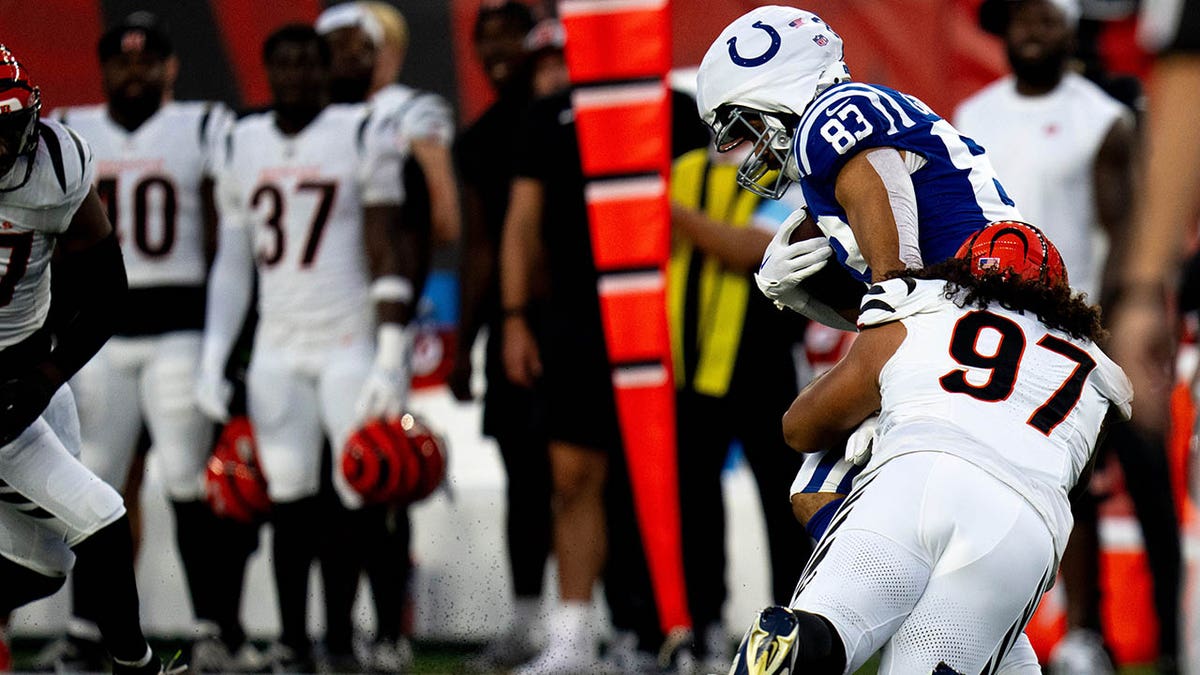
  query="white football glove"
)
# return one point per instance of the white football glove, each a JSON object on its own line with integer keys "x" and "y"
{"x": 385, "y": 391}
{"x": 213, "y": 393}
{"x": 785, "y": 265}
{"x": 860, "y": 443}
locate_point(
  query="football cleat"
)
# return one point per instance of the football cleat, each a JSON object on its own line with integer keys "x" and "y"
{"x": 768, "y": 647}
{"x": 234, "y": 485}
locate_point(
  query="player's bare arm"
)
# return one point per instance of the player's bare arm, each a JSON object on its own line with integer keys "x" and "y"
{"x": 737, "y": 247}
{"x": 93, "y": 278}
{"x": 870, "y": 194}
{"x": 519, "y": 251}
{"x": 434, "y": 158}
{"x": 477, "y": 273}
{"x": 834, "y": 404}
{"x": 208, "y": 209}
{"x": 1112, "y": 175}
{"x": 390, "y": 256}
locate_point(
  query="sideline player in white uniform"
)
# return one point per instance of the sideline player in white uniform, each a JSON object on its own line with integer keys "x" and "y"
{"x": 154, "y": 160}
{"x": 991, "y": 394}
{"x": 309, "y": 195}
{"x": 368, "y": 41}
{"x": 50, "y": 501}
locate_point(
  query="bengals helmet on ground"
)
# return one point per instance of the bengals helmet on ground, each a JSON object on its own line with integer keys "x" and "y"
{"x": 235, "y": 486}
{"x": 20, "y": 103}
{"x": 394, "y": 461}
{"x": 1010, "y": 247}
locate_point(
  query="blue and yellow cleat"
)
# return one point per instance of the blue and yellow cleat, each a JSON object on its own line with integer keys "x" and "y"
{"x": 767, "y": 648}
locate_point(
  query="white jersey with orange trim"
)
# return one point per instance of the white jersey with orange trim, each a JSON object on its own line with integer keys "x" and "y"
{"x": 996, "y": 388}
{"x": 303, "y": 198}
{"x": 150, "y": 180}
{"x": 31, "y": 217}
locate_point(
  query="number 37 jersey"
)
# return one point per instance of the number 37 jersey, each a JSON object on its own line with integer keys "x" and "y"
{"x": 994, "y": 387}
{"x": 302, "y": 197}
{"x": 150, "y": 182}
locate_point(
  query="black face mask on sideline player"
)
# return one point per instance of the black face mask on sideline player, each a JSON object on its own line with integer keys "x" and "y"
{"x": 1042, "y": 72}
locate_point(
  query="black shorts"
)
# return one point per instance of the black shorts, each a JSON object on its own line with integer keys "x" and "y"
{"x": 577, "y": 383}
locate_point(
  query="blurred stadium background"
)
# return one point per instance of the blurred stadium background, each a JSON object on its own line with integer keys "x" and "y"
{"x": 930, "y": 48}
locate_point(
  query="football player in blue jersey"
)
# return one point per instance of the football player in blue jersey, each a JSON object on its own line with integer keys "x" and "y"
{"x": 889, "y": 183}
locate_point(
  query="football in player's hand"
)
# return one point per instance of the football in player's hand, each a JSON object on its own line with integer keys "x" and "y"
{"x": 832, "y": 285}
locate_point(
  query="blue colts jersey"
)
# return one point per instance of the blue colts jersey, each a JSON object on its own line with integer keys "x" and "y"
{"x": 956, "y": 188}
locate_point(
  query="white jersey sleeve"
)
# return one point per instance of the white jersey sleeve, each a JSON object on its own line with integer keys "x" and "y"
{"x": 381, "y": 168}
{"x": 896, "y": 299}
{"x": 215, "y": 127}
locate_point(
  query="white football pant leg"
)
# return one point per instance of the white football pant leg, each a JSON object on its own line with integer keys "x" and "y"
{"x": 1021, "y": 659}
{"x": 933, "y": 557}
{"x": 40, "y": 468}
{"x": 181, "y": 434}
{"x": 283, "y": 406}
{"x": 341, "y": 382}
{"x": 106, "y": 392}
{"x": 31, "y": 543}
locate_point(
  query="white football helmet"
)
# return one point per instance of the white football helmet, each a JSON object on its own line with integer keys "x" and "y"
{"x": 756, "y": 80}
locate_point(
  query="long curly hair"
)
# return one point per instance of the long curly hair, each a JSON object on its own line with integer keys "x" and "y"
{"x": 1056, "y": 306}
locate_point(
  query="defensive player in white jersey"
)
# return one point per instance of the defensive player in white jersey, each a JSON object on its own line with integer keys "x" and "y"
{"x": 309, "y": 196}
{"x": 49, "y": 500}
{"x": 368, "y": 41}
{"x": 991, "y": 393}
{"x": 154, "y": 158}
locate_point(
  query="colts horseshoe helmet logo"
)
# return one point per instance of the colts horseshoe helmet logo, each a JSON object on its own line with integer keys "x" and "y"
{"x": 761, "y": 58}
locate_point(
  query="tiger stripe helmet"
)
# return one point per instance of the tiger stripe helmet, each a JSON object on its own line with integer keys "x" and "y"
{"x": 1010, "y": 247}
{"x": 20, "y": 104}
{"x": 235, "y": 486}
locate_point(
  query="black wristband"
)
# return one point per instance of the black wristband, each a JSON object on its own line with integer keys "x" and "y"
{"x": 512, "y": 312}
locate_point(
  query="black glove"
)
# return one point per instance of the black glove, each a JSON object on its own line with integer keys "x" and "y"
{"x": 22, "y": 400}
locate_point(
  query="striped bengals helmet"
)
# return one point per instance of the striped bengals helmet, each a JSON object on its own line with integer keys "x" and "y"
{"x": 20, "y": 103}
{"x": 393, "y": 461}
{"x": 234, "y": 485}
{"x": 1012, "y": 247}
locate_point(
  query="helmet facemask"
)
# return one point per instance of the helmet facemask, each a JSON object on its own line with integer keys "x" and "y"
{"x": 771, "y": 135}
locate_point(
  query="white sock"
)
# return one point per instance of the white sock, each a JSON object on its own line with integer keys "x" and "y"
{"x": 571, "y": 628}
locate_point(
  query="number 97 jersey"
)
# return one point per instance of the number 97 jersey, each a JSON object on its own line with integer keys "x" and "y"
{"x": 957, "y": 191}
{"x": 150, "y": 182}
{"x": 994, "y": 387}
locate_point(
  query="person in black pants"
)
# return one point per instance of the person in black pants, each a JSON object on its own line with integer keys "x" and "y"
{"x": 512, "y": 415}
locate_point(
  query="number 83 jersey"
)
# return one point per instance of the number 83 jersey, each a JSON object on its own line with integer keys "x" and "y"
{"x": 302, "y": 196}
{"x": 150, "y": 182}
{"x": 957, "y": 191}
{"x": 995, "y": 387}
